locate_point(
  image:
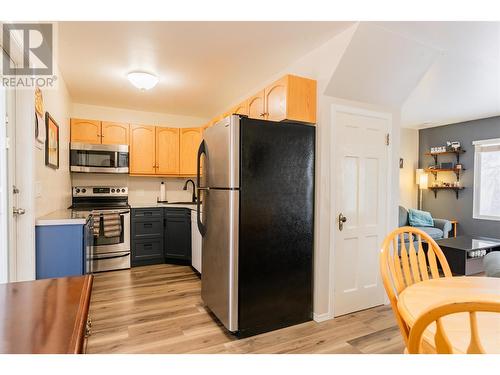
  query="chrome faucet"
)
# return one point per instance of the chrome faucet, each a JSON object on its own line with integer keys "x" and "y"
{"x": 193, "y": 199}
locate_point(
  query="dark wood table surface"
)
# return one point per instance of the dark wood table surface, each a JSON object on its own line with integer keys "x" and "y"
{"x": 44, "y": 316}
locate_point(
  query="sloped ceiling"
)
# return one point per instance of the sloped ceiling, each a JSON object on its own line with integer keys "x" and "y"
{"x": 380, "y": 67}
{"x": 435, "y": 72}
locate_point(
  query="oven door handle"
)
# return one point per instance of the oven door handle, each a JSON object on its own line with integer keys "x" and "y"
{"x": 111, "y": 257}
{"x": 105, "y": 212}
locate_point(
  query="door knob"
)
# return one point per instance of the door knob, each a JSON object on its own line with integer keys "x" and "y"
{"x": 18, "y": 211}
{"x": 342, "y": 220}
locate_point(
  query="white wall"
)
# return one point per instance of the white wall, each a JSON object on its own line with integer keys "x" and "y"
{"x": 409, "y": 152}
{"x": 53, "y": 186}
{"x": 142, "y": 190}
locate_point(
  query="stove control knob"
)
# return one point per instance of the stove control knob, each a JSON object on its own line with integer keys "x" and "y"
{"x": 84, "y": 191}
{"x": 112, "y": 190}
{"x": 77, "y": 191}
{"x": 123, "y": 190}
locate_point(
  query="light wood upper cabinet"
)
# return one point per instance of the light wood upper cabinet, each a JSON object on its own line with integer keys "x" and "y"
{"x": 190, "y": 139}
{"x": 167, "y": 150}
{"x": 142, "y": 149}
{"x": 256, "y": 107}
{"x": 291, "y": 98}
{"x": 241, "y": 109}
{"x": 114, "y": 133}
{"x": 276, "y": 100}
{"x": 85, "y": 131}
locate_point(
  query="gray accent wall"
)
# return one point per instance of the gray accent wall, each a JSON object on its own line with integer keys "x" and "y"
{"x": 446, "y": 206}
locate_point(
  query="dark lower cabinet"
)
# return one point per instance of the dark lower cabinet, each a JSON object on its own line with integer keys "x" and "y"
{"x": 178, "y": 235}
{"x": 147, "y": 236}
{"x": 160, "y": 235}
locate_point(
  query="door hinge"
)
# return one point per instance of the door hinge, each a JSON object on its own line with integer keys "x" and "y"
{"x": 387, "y": 139}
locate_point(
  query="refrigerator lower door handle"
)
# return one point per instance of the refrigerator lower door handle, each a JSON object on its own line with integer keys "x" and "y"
{"x": 201, "y": 150}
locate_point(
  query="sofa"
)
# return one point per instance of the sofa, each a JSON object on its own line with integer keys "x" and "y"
{"x": 441, "y": 228}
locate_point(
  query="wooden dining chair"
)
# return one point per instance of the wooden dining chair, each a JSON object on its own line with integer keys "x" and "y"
{"x": 442, "y": 344}
{"x": 404, "y": 262}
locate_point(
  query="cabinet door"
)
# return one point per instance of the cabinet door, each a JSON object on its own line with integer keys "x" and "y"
{"x": 115, "y": 133}
{"x": 241, "y": 109}
{"x": 256, "y": 106}
{"x": 276, "y": 100}
{"x": 85, "y": 131}
{"x": 142, "y": 149}
{"x": 178, "y": 234}
{"x": 147, "y": 251}
{"x": 167, "y": 150}
{"x": 301, "y": 99}
{"x": 190, "y": 142}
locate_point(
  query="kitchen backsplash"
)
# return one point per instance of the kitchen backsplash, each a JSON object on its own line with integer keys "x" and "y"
{"x": 142, "y": 190}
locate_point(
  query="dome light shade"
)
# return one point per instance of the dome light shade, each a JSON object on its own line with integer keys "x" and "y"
{"x": 142, "y": 80}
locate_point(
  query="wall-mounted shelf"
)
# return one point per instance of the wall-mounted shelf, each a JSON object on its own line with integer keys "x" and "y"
{"x": 435, "y": 171}
{"x": 436, "y": 154}
{"x": 435, "y": 189}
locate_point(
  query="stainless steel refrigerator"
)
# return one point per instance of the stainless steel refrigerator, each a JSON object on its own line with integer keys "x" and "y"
{"x": 256, "y": 190}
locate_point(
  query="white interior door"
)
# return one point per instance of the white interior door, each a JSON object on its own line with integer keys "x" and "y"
{"x": 360, "y": 188}
{"x": 8, "y": 222}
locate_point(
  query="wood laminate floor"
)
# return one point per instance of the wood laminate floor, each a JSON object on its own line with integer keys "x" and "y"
{"x": 158, "y": 309}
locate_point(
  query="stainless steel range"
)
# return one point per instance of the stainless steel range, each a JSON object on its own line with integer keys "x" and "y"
{"x": 110, "y": 212}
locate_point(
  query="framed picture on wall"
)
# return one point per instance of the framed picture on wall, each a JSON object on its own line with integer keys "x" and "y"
{"x": 52, "y": 142}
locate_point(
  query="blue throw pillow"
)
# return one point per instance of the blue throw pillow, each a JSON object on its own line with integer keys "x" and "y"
{"x": 419, "y": 218}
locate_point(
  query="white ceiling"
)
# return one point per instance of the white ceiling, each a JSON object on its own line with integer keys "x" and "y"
{"x": 380, "y": 67}
{"x": 436, "y": 72}
{"x": 463, "y": 83}
{"x": 203, "y": 66}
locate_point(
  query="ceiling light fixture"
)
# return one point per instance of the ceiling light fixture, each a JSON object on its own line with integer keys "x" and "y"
{"x": 142, "y": 80}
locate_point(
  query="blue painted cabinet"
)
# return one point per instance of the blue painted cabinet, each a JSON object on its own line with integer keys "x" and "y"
{"x": 60, "y": 251}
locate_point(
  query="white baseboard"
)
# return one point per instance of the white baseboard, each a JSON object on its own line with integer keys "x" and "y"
{"x": 321, "y": 317}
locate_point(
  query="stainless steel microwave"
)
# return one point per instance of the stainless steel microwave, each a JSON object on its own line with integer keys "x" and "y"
{"x": 92, "y": 158}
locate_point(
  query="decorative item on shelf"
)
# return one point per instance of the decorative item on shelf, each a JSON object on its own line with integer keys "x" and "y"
{"x": 52, "y": 142}
{"x": 446, "y": 165}
{"x": 438, "y": 149}
{"x": 458, "y": 166}
{"x": 453, "y": 146}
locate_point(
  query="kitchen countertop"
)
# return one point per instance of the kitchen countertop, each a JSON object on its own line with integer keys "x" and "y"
{"x": 191, "y": 206}
{"x": 70, "y": 217}
{"x": 63, "y": 217}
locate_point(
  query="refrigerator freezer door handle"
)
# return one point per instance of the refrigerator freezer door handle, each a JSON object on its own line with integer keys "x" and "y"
{"x": 201, "y": 150}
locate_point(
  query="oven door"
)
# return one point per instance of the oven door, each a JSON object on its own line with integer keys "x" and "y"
{"x": 111, "y": 231}
{"x": 99, "y": 158}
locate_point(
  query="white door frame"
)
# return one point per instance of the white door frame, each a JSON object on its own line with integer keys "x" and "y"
{"x": 333, "y": 172}
{"x": 22, "y": 254}
{"x": 4, "y": 203}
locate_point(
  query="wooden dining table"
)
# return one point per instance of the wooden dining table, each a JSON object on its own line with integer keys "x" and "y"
{"x": 44, "y": 316}
{"x": 417, "y": 298}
